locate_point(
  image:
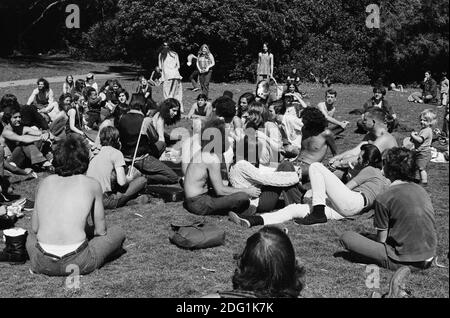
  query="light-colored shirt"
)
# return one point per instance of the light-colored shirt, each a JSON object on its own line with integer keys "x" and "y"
{"x": 102, "y": 165}
{"x": 170, "y": 67}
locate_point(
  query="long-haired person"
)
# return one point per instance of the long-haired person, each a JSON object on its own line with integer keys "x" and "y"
{"x": 205, "y": 63}
{"x": 265, "y": 64}
{"x": 267, "y": 268}
{"x": 169, "y": 64}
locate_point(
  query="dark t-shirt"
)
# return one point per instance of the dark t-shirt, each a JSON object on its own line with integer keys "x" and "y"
{"x": 129, "y": 128}
{"x": 406, "y": 212}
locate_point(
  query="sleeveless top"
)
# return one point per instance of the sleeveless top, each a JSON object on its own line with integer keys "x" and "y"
{"x": 42, "y": 98}
{"x": 78, "y": 121}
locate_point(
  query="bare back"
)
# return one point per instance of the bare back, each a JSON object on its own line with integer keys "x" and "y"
{"x": 196, "y": 178}
{"x": 62, "y": 207}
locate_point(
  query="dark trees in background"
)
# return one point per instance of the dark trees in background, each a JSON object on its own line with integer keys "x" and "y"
{"x": 325, "y": 37}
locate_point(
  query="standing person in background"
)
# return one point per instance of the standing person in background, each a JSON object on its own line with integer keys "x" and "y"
{"x": 68, "y": 85}
{"x": 444, "y": 90}
{"x": 265, "y": 64}
{"x": 169, "y": 64}
{"x": 205, "y": 61}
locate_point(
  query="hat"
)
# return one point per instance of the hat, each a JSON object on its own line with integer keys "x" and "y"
{"x": 90, "y": 75}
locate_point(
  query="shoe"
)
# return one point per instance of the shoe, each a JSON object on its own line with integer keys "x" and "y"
{"x": 310, "y": 219}
{"x": 233, "y": 217}
{"x": 15, "y": 251}
{"x": 397, "y": 283}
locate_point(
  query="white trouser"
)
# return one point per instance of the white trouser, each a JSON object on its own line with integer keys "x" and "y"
{"x": 173, "y": 89}
{"x": 325, "y": 184}
{"x": 296, "y": 211}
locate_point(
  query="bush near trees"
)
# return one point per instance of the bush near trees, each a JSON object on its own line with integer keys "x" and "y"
{"x": 325, "y": 37}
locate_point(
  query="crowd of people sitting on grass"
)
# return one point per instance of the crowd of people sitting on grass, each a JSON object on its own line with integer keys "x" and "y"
{"x": 259, "y": 161}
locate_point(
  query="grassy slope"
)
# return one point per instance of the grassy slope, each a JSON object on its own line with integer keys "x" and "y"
{"x": 153, "y": 267}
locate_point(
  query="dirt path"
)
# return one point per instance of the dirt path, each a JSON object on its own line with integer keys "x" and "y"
{"x": 57, "y": 79}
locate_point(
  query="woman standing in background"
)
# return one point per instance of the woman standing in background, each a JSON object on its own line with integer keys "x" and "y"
{"x": 205, "y": 61}
{"x": 169, "y": 64}
{"x": 265, "y": 64}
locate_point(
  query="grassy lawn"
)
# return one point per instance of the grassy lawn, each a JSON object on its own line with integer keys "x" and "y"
{"x": 152, "y": 267}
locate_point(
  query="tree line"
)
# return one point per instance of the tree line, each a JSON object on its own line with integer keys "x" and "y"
{"x": 325, "y": 37}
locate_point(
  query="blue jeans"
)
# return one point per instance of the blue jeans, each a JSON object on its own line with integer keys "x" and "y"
{"x": 155, "y": 171}
{"x": 88, "y": 257}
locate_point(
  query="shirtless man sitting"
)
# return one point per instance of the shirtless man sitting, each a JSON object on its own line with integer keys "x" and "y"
{"x": 61, "y": 221}
{"x": 375, "y": 123}
{"x": 204, "y": 170}
{"x": 316, "y": 140}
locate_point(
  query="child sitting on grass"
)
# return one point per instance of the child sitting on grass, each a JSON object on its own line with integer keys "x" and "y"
{"x": 422, "y": 143}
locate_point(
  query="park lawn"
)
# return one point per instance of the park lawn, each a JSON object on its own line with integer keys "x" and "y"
{"x": 153, "y": 267}
{"x": 23, "y": 67}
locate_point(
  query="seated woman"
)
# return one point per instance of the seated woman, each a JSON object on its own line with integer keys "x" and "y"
{"x": 266, "y": 268}
{"x": 69, "y": 85}
{"x": 24, "y": 142}
{"x": 296, "y": 104}
{"x": 42, "y": 98}
{"x": 242, "y": 109}
{"x": 345, "y": 200}
{"x": 80, "y": 85}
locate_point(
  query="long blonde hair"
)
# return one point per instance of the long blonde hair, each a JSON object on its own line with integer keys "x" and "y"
{"x": 208, "y": 53}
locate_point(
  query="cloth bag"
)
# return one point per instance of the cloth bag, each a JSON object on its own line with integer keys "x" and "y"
{"x": 196, "y": 236}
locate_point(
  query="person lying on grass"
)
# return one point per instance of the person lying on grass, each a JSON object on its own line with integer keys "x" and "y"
{"x": 404, "y": 219}
{"x": 344, "y": 200}
{"x": 68, "y": 225}
{"x": 375, "y": 123}
{"x": 204, "y": 169}
{"x": 266, "y": 268}
{"x": 111, "y": 161}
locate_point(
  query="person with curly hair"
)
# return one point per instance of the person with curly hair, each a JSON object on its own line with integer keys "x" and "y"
{"x": 68, "y": 223}
{"x": 42, "y": 98}
{"x": 267, "y": 268}
{"x": 316, "y": 140}
{"x": 404, "y": 220}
